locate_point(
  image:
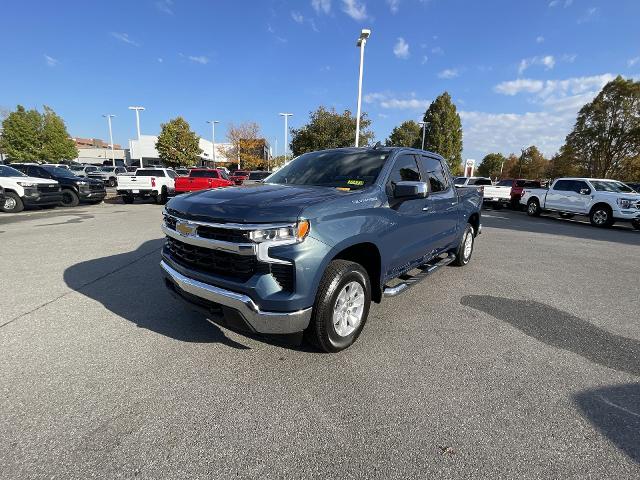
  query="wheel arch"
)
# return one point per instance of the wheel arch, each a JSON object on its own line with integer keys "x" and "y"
{"x": 474, "y": 220}
{"x": 368, "y": 255}
{"x": 600, "y": 204}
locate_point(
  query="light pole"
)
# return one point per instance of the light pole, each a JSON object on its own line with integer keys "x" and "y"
{"x": 213, "y": 140}
{"x": 362, "y": 41}
{"x": 423, "y": 125}
{"x": 286, "y": 134}
{"x": 138, "y": 110}
{"x": 113, "y": 156}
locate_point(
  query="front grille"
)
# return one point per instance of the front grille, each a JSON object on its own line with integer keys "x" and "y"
{"x": 96, "y": 187}
{"x": 48, "y": 188}
{"x": 283, "y": 275}
{"x": 225, "y": 264}
{"x": 222, "y": 234}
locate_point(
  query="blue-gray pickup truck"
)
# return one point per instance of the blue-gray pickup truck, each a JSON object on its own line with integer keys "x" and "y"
{"x": 312, "y": 246}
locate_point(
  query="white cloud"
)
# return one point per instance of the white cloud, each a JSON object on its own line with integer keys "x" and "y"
{"x": 425, "y": 59}
{"x": 633, "y": 61}
{"x": 355, "y": 9}
{"x": 394, "y": 5}
{"x": 539, "y": 39}
{"x": 124, "y": 37}
{"x": 514, "y": 87}
{"x": 201, "y": 59}
{"x": 165, "y": 6}
{"x": 588, "y": 15}
{"x": 555, "y": 3}
{"x": 401, "y": 49}
{"x": 449, "y": 73}
{"x": 160, "y": 60}
{"x": 297, "y": 17}
{"x": 389, "y": 101}
{"x": 548, "y": 62}
{"x": 321, "y": 6}
{"x": 437, "y": 51}
{"x": 50, "y": 61}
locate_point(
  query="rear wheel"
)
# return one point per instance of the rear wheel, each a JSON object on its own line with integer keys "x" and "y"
{"x": 465, "y": 248}
{"x": 112, "y": 182}
{"x": 497, "y": 206}
{"x": 161, "y": 199}
{"x": 70, "y": 198}
{"x": 12, "y": 203}
{"x": 341, "y": 307}
{"x": 635, "y": 224}
{"x": 601, "y": 216}
{"x": 533, "y": 207}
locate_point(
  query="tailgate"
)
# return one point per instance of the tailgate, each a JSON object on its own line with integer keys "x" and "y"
{"x": 492, "y": 192}
{"x": 126, "y": 182}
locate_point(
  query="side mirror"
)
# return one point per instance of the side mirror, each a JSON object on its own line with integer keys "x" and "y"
{"x": 408, "y": 190}
{"x": 585, "y": 191}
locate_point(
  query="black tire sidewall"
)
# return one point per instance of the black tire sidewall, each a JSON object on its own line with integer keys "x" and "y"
{"x": 75, "y": 200}
{"x": 460, "y": 261}
{"x": 19, "y": 204}
{"x": 537, "y": 211}
{"x": 609, "y": 220}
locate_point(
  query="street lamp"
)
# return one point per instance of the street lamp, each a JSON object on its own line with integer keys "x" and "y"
{"x": 113, "y": 156}
{"x": 138, "y": 110}
{"x": 423, "y": 125}
{"x": 286, "y": 134}
{"x": 213, "y": 139}
{"x": 364, "y": 35}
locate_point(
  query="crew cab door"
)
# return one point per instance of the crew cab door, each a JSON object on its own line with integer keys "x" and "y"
{"x": 579, "y": 198}
{"x": 408, "y": 240}
{"x": 558, "y": 195}
{"x": 441, "y": 206}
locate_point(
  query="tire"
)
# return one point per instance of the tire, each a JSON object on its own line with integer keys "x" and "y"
{"x": 601, "y": 216}
{"x": 635, "y": 224}
{"x": 342, "y": 280}
{"x": 463, "y": 254}
{"x": 533, "y": 207}
{"x": 497, "y": 206}
{"x": 12, "y": 203}
{"x": 128, "y": 199}
{"x": 162, "y": 198}
{"x": 70, "y": 198}
{"x": 111, "y": 182}
{"x": 566, "y": 215}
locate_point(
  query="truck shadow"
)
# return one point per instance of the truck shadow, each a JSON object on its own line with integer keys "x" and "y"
{"x": 615, "y": 411}
{"x": 131, "y": 285}
{"x": 578, "y": 227}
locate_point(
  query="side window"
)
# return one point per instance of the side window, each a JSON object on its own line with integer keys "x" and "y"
{"x": 34, "y": 172}
{"x": 435, "y": 172}
{"x": 172, "y": 174}
{"x": 563, "y": 185}
{"x": 580, "y": 185}
{"x": 405, "y": 169}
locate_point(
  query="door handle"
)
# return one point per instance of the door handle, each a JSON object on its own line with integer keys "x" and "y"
{"x": 426, "y": 209}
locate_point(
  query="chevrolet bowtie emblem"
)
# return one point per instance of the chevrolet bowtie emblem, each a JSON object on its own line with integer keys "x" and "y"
{"x": 187, "y": 229}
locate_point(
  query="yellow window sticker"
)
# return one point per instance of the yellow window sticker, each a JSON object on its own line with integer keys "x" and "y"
{"x": 355, "y": 182}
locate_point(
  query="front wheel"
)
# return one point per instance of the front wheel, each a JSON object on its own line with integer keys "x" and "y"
{"x": 601, "y": 216}
{"x": 465, "y": 248}
{"x": 70, "y": 198}
{"x": 341, "y": 307}
{"x": 12, "y": 203}
{"x": 533, "y": 208}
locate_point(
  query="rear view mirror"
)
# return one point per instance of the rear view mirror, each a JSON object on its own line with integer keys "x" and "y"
{"x": 407, "y": 190}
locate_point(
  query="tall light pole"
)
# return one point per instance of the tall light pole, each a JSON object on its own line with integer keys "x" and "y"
{"x": 424, "y": 126}
{"x": 113, "y": 155}
{"x": 138, "y": 110}
{"x": 213, "y": 140}
{"x": 362, "y": 41}
{"x": 286, "y": 134}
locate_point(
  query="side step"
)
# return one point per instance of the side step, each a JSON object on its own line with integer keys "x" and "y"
{"x": 410, "y": 280}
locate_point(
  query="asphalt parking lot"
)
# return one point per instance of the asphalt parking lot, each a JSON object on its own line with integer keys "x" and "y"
{"x": 524, "y": 364}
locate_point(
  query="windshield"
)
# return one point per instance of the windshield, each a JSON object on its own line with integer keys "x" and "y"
{"x": 605, "y": 186}
{"x": 223, "y": 174}
{"x": 59, "y": 172}
{"x": 480, "y": 181}
{"x": 240, "y": 173}
{"x": 332, "y": 168}
{"x": 107, "y": 169}
{"x": 10, "y": 172}
{"x": 258, "y": 175}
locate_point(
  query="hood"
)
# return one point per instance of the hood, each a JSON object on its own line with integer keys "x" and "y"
{"x": 40, "y": 181}
{"x": 261, "y": 203}
{"x": 630, "y": 196}
{"x": 90, "y": 181}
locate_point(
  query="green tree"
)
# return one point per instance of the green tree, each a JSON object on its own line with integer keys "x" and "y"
{"x": 22, "y": 135}
{"x": 329, "y": 129}
{"x": 443, "y": 131}
{"x": 177, "y": 144}
{"x": 407, "y": 134}
{"x": 531, "y": 164}
{"x": 607, "y": 131}
{"x": 562, "y": 164}
{"x": 492, "y": 165}
{"x": 56, "y": 143}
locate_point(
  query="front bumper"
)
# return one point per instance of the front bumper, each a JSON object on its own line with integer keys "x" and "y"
{"x": 42, "y": 199}
{"x": 91, "y": 196}
{"x": 238, "y": 310}
{"x": 626, "y": 215}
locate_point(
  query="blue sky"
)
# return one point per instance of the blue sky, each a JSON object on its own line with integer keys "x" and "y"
{"x": 518, "y": 70}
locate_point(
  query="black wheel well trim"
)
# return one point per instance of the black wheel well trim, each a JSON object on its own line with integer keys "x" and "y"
{"x": 367, "y": 255}
{"x": 474, "y": 220}
{"x": 600, "y": 204}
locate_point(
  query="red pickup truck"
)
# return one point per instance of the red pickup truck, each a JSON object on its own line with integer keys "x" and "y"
{"x": 201, "y": 179}
{"x": 239, "y": 176}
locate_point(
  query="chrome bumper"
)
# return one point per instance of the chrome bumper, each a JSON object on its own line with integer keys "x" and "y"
{"x": 258, "y": 320}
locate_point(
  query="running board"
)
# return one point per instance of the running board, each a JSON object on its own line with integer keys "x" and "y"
{"x": 410, "y": 280}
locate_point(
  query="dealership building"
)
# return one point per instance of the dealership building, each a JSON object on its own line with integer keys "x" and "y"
{"x": 145, "y": 149}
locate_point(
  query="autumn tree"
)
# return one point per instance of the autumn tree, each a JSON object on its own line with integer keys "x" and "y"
{"x": 329, "y": 129}
{"x": 443, "y": 131}
{"x": 492, "y": 165}
{"x": 246, "y": 145}
{"x": 607, "y": 131}
{"x": 177, "y": 144}
{"x": 407, "y": 134}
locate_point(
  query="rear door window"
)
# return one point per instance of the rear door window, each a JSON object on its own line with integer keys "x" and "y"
{"x": 563, "y": 185}
{"x": 435, "y": 173}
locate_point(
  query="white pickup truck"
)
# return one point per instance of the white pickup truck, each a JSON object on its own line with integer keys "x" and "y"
{"x": 21, "y": 190}
{"x": 156, "y": 183}
{"x": 499, "y": 195}
{"x": 604, "y": 201}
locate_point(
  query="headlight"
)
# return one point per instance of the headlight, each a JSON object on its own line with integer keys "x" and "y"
{"x": 626, "y": 203}
{"x": 296, "y": 233}
{"x": 81, "y": 183}
{"x": 28, "y": 185}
